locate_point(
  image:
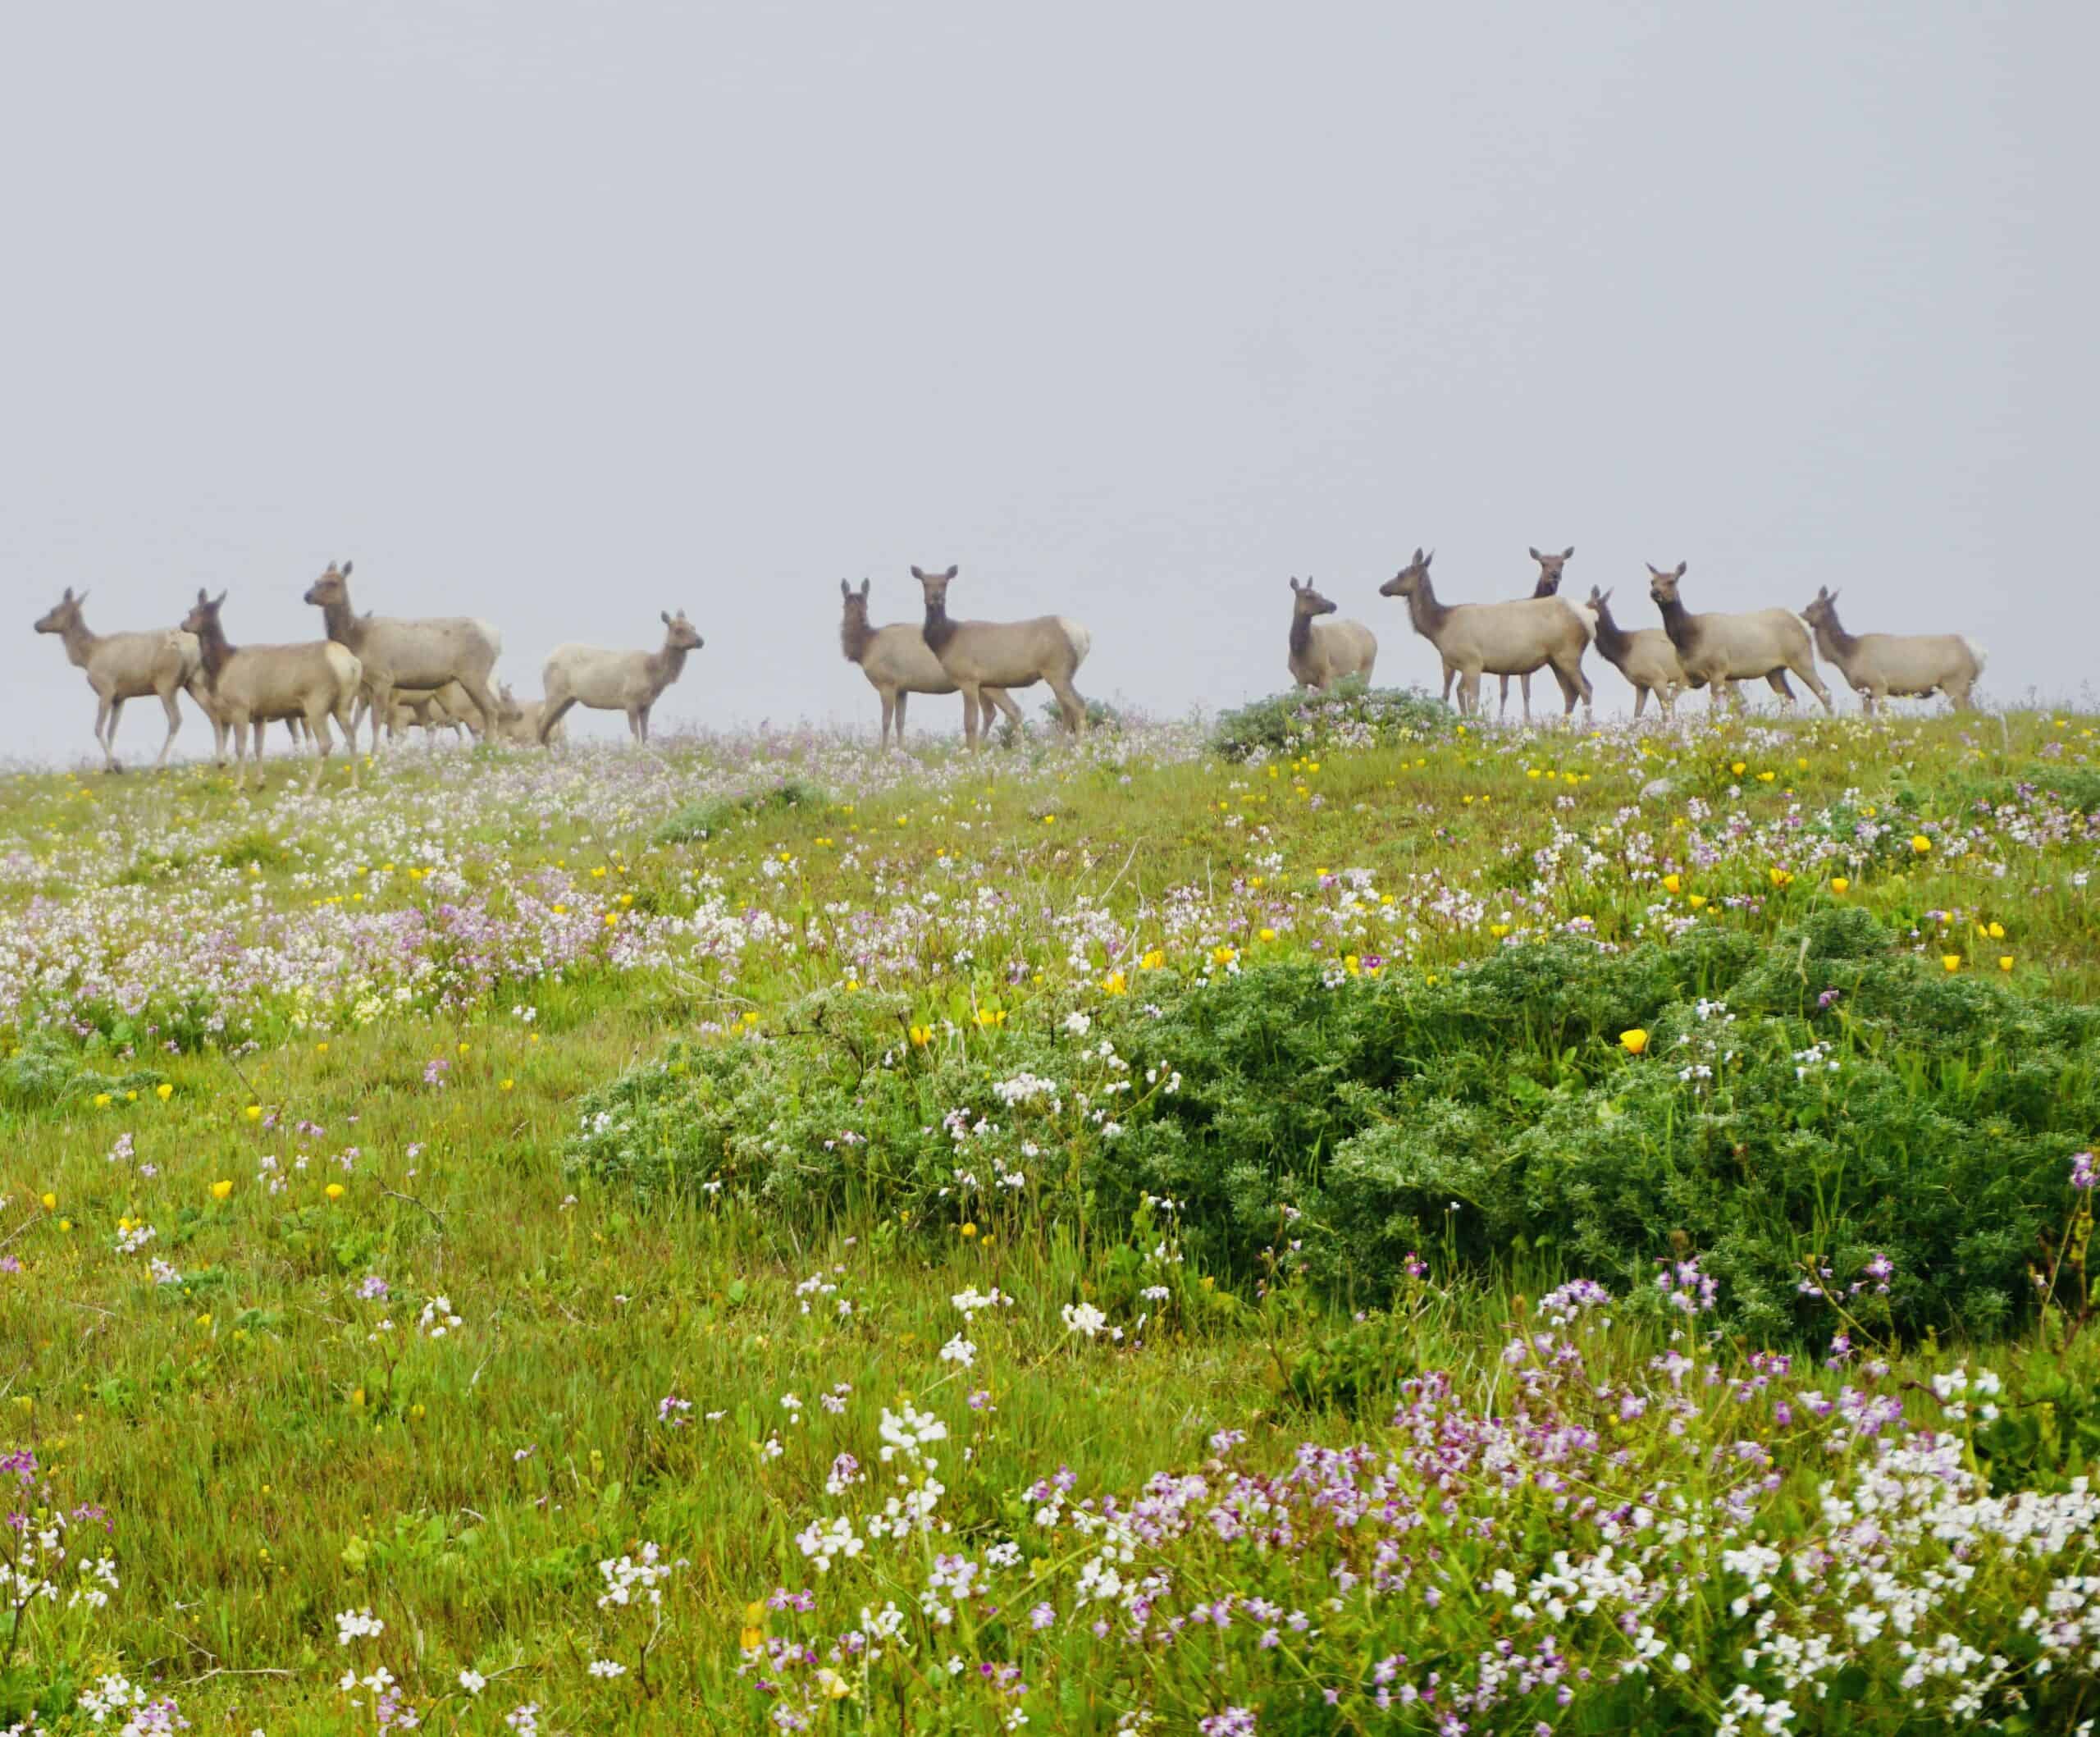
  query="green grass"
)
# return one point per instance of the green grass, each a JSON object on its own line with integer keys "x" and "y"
{"x": 270, "y": 1456}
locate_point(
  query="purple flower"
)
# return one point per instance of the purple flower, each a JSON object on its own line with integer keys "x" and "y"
{"x": 2081, "y": 1170}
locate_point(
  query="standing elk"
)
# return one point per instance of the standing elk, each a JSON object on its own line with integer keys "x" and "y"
{"x": 252, "y": 684}
{"x": 1906, "y": 665}
{"x": 982, "y": 656}
{"x": 1325, "y": 652}
{"x": 1722, "y": 651}
{"x": 616, "y": 681}
{"x": 1514, "y": 638}
{"x": 397, "y": 653}
{"x": 898, "y": 662}
{"x": 129, "y": 666}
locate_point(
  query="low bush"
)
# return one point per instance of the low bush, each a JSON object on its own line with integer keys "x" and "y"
{"x": 705, "y": 820}
{"x": 1349, "y": 715}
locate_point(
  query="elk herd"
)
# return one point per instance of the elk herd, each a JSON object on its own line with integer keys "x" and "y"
{"x": 438, "y": 672}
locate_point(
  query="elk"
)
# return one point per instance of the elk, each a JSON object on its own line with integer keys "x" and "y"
{"x": 433, "y": 709}
{"x": 1645, "y": 656}
{"x": 128, "y": 667}
{"x": 982, "y": 656}
{"x": 615, "y": 681}
{"x": 521, "y": 723}
{"x": 897, "y": 662}
{"x": 252, "y": 684}
{"x": 1548, "y": 586}
{"x": 397, "y": 653}
{"x": 1325, "y": 652}
{"x": 1907, "y": 665}
{"x": 1496, "y": 639}
{"x": 1720, "y": 652}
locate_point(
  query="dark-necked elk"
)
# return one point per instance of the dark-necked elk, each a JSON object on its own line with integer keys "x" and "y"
{"x": 1325, "y": 652}
{"x": 1720, "y": 651}
{"x": 1644, "y": 656}
{"x": 420, "y": 655}
{"x": 250, "y": 685}
{"x": 1904, "y": 666}
{"x": 982, "y": 656}
{"x": 898, "y": 662}
{"x": 1512, "y": 638}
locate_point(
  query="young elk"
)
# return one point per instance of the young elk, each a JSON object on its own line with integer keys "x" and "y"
{"x": 982, "y": 656}
{"x": 1496, "y": 638}
{"x": 615, "y": 681}
{"x": 898, "y": 663}
{"x": 1645, "y": 656}
{"x": 521, "y": 723}
{"x": 252, "y": 684}
{"x": 1324, "y": 652}
{"x": 1907, "y": 665}
{"x": 419, "y": 655}
{"x": 1722, "y": 651}
{"x": 129, "y": 666}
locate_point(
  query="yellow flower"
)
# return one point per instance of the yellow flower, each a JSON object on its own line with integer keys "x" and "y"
{"x": 1764, "y": 778}
{"x": 561, "y": 910}
{"x": 987, "y": 1017}
{"x": 1840, "y": 885}
{"x": 1952, "y": 961}
{"x": 163, "y": 1091}
{"x": 1268, "y": 934}
{"x": 222, "y": 1188}
{"x": 1738, "y": 768}
{"x": 1498, "y": 929}
{"x": 968, "y": 1230}
{"x": 1115, "y": 984}
{"x": 506, "y": 1086}
{"x": 51, "y": 1202}
{"x": 253, "y": 1112}
{"x": 1997, "y": 931}
{"x": 1673, "y": 883}
{"x": 1780, "y": 877}
{"x": 334, "y": 1190}
{"x": 1697, "y": 901}
{"x": 1633, "y": 1042}
{"x": 320, "y": 1048}
{"x": 2005, "y": 962}
{"x": 1153, "y": 960}
{"x": 920, "y": 1037}
{"x": 612, "y": 919}
{"x": 1920, "y": 843}
{"x": 1224, "y": 955}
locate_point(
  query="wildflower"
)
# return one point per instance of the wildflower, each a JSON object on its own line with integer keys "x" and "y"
{"x": 334, "y": 1190}
{"x": 1633, "y": 1042}
{"x": 1114, "y": 983}
{"x": 2005, "y": 962}
{"x": 1952, "y": 961}
{"x": 2081, "y": 1170}
{"x": 1083, "y": 1319}
{"x": 472, "y": 1681}
{"x": 1920, "y": 843}
{"x": 1268, "y": 934}
{"x": 222, "y": 1188}
{"x": 920, "y": 1037}
{"x": 253, "y": 1112}
{"x": 1840, "y": 885}
{"x": 102, "y": 1101}
{"x": 51, "y": 1202}
{"x": 1697, "y": 901}
{"x": 1673, "y": 883}
{"x": 163, "y": 1091}
{"x": 968, "y": 1229}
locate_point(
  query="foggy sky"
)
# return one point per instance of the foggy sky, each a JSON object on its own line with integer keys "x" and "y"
{"x": 564, "y": 315}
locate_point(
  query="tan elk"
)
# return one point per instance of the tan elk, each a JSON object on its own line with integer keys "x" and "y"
{"x": 1511, "y": 638}
{"x": 616, "y": 681}
{"x": 1906, "y": 665}
{"x": 1645, "y": 656}
{"x": 398, "y": 653}
{"x": 517, "y": 721}
{"x": 898, "y": 662}
{"x": 129, "y": 666}
{"x": 982, "y": 656}
{"x": 252, "y": 684}
{"x": 1720, "y": 651}
{"x": 1325, "y": 652}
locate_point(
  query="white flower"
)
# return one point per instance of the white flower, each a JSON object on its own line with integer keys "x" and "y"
{"x": 472, "y": 1681}
{"x": 351, "y": 1624}
{"x": 607, "y": 1668}
{"x": 1083, "y": 1319}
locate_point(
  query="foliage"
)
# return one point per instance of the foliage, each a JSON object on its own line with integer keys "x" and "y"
{"x": 1350, "y": 714}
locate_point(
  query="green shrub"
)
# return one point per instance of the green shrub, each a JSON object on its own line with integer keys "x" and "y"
{"x": 714, "y": 814}
{"x": 1349, "y": 715}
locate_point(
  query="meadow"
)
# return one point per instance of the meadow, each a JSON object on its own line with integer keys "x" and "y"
{"x": 1327, "y": 1221}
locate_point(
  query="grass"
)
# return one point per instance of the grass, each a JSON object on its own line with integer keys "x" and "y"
{"x": 385, "y": 1020}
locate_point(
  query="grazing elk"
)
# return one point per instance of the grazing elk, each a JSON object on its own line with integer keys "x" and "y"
{"x": 1496, "y": 638}
{"x": 978, "y": 656}
{"x": 1325, "y": 652}
{"x": 1906, "y": 665}
{"x": 1719, "y": 651}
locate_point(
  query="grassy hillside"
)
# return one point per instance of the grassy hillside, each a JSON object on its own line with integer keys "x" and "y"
{"x": 1344, "y": 1223}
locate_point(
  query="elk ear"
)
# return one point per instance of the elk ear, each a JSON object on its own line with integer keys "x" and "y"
{"x": 844, "y": 589}
{"x": 1568, "y": 554}
{"x": 82, "y": 598}
{"x": 221, "y": 599}
{"x": 1417, "y": 555}
{"x": 68, "y": 597}
{"x": 917, "y": 574}
{"x": 1681, "y": 566}
{"x": 347, "y": 565}
{"x": 952, "y": 572}
{"x": 666, "y": 614}
{"x": 1653, "y": 569}
{"x": 1536, "y": 556}
{"x": 865, "y": 586}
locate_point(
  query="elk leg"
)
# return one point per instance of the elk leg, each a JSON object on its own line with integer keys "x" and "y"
{"x": 1000, "y": 697}
{"x": 551, "y": 714}
{"x": 173, "y": 723}
{"x": 968, "y": 718}
{"x": 903, "y": 697}
{"x": 109, "y": 745}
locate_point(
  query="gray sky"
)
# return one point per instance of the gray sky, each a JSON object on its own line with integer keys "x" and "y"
{"x": 566, "y": 314}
